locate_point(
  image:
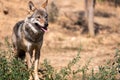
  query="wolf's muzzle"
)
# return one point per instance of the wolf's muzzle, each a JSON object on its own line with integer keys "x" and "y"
{"x": 46, "y": 25}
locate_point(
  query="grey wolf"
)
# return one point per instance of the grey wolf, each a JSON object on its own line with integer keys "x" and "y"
{"x": 27, "y": 36}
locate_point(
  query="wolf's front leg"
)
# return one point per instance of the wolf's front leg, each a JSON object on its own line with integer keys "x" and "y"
{"x": 36, "y": 64}
{"x": 28, "y": 59}
{"x": 29, "y": 62}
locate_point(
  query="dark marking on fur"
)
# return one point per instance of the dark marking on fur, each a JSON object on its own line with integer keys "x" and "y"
{"x": 20, "y": 54}
{"x": 31, "y": 36}
{"x": 17, "y": 26}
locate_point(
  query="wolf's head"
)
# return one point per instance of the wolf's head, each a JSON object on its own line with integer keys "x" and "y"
{"x": 39, "y": 16}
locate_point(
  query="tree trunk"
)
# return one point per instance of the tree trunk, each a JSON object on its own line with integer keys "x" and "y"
{"x": 89, "y": 15}
{"x": 91, "y": 18}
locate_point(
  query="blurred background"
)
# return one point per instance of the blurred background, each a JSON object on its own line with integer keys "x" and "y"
{"x": 69, "y": 29}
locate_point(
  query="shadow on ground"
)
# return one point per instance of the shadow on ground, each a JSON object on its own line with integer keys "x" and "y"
{"x": 81, "y": 24}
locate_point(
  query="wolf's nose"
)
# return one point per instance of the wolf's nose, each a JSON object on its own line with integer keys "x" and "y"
{"x": 46, "y": 25}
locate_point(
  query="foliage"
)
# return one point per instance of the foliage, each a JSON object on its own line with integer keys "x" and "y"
{"x": 63, "y": 74}
{"x": 108, "y": 71}
{"x": 105, "y": 72}
{"x": 10, "y": 67}
{"x": 15, "y": 69}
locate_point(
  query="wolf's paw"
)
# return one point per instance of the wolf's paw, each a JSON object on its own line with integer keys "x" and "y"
{"x": 36, "y": 77}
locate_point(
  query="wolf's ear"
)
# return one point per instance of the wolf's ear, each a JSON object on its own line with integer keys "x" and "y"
{"x": 31, "y": 6}
{"x": 44, "y": 5}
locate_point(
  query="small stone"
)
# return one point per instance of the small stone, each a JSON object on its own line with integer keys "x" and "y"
{"x": 5, "y": 11}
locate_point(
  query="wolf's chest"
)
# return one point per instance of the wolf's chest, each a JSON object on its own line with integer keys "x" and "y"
{"x": 32, "y": 36}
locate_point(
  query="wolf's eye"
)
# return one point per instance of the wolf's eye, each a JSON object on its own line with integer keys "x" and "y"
{"x": 38, "y": 17}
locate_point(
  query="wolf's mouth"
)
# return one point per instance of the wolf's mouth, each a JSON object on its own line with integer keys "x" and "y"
{"x": 43, "y": 28}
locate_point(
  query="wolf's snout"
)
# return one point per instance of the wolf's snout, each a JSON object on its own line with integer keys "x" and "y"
{"x": 46, "y": 24}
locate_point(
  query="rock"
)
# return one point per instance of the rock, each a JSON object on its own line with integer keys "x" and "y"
{"x": 5, "y": 11}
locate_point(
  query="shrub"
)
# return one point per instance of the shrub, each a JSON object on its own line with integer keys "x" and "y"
{"x": 108, "y": 71}
{"x": 15, "y": 69}
{"x": 10, "y": 67}
{"x": 65, "y": 73}
{"x": 105, "y": 72}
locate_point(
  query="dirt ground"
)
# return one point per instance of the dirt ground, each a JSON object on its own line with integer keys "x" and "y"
{"x": 61, "y": 43}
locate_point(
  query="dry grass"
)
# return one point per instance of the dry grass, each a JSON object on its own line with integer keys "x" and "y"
{"x": 60, "y": 43}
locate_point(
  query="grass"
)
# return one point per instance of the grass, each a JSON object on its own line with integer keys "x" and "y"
{"x": 15, "y": 69}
